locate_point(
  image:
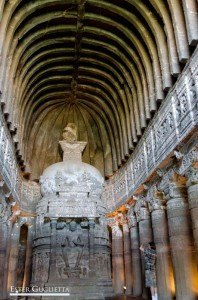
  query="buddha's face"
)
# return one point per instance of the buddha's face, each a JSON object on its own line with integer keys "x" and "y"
{"x": 73, "y": 226}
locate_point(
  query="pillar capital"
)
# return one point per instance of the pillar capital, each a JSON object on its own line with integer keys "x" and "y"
{"x": 156, "y": 204}
{"x": 125, "y": 227}
{"x": 131, "y": 217}
{"x": 155, "y": 199}
{"x": 115, "y": 227}
{"x": 192, "y": 175}
{"x": 172, "y": 184}
{"x": 141, "y": 209}
{"x": 177, "y": 190}
{"x": 122, "y": 219}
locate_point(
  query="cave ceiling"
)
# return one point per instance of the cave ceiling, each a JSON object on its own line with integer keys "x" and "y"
{"x": 104, "y": 65}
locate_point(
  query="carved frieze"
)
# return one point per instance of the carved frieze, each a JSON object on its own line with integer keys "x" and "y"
{"x": 173, "y": 122}
{"x": 30, "y": 195}
{"x": 189, "y": 157}
{"x": 8, "y": 165}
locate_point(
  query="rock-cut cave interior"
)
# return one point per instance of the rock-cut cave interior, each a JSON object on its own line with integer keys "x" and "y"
{"x": 98, "y": 149}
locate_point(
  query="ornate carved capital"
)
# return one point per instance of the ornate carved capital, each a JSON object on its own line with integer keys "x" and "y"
{"x": 116, "y": 230}
{"x": 142, "y": 214}
{"x": 122, "y": 219}
{"x": 192, "y": 176}
{"x": 141, "y": 208}
{"x": 157, "y": 204}
{"x": 155, "y": 198}
{"x": 177, "y": 190}
{"x": 171, "y": 181}
{"x": 131, "y": 217}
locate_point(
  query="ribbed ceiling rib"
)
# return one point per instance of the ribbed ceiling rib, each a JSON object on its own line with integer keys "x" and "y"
{"x": 104, "y": 65}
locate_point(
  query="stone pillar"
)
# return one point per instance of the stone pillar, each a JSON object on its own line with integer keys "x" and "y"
{"x": 5, "y": 232}
{"x": 135, "y": 254}
{"x": 127, "y": 259}
{"x": 183, "y": 253}
{"x": 192, "y": 185}
{"x": 91, "y": 245}
{"x": 164, "y": 269}
{"x": 146, "y": 236}
{"x": 53, "y": 275}
{"x": 28, "y": 260}
{"x": 6, "y": 265}
{"x": 3, "y": 246}
{"x": 117, "y": 259}
{"x": 13, "y": 257}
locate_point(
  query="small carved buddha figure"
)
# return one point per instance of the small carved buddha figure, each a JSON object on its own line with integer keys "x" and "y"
{"x": 72, "y": 249}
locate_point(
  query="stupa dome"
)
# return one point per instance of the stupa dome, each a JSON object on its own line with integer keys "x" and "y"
{"x": 72, "y": 174}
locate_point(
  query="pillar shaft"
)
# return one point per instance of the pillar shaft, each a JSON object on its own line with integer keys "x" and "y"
{"x": 13, "y": 257}
{"x": 6, "y": 265}
{"x": 145, "y": 233}
{"x": 127, "y": 260}
{"x": 117, "y": 260}
{"x": 164, "y": 269}
{"x": 136, "y": 261}
{"x": 193, "y": 203}
{"x": 183, "y": 254}
{"x": 3, "y": 246}
{"x": 28, "y": 260}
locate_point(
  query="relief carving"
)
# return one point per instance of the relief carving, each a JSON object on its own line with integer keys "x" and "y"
{"x": 72, "y": 251}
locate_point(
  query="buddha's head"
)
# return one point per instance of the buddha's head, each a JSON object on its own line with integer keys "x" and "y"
{"x": 73, "y": 226}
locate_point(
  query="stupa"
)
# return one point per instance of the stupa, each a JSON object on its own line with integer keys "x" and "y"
{"x": 71, "y": 245}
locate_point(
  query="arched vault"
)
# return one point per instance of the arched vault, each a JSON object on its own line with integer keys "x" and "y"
{"x": 105, "y": 65}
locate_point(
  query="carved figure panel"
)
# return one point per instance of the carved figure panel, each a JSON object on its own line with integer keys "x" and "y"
{"x": 72, "y": 250}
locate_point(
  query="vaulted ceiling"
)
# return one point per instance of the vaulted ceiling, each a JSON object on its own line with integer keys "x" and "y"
{"x": 105, "y": 65}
